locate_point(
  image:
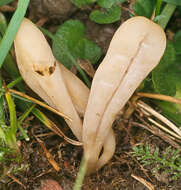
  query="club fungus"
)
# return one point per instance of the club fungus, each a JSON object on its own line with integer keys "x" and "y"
{"x": 55, "y": 84}
{"x": 136, "y": 48}
{"x": 43, "y": 74}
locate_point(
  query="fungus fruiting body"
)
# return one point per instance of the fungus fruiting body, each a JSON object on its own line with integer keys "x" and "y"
{"x": 56, "y": 85}
{"x": 135, "y": 49}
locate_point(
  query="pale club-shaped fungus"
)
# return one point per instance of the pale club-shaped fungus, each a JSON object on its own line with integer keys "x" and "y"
{"x": 136, "y": 48}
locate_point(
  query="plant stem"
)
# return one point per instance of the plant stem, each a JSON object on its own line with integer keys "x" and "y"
{"x": 166, "y": 15}
{"x": 47, "y": 32}
{"x": 80, "y": 70}
{"x": 22, "y": 118}
{"x": 81, "y": 175}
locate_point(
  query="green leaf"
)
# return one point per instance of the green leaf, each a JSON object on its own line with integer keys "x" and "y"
{"x": 87, "y": 50}
{"x": 66, "y": 38}
{"x": 108, "y": 16}
{"x": 164, "y": 76}
{"x": 175, "y": 2}
{"x": 108, "y": 3}
{"x": 177, "y": 42}
{"x": 144, "y": 7}
{"x": 173, "y": 71}
{"x": 70, "y": 40}
{"x": 4, "y": 2}
{"x": 165, "y": 15}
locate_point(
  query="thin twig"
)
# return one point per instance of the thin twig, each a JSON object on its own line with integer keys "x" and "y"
{"x": 154, "y": 130}
{"x": 143, "y": 181}
{"x": 16, "y": 180}
{"x": 39, "y": 103}
{"x": 160, "y": 97}
{"x": 159, "y": 116}
{"x": 7, "y": 8}
{"x": 48, "y": 155}
{"x": 164, "y": 128}
{"x": 128, "y": 10}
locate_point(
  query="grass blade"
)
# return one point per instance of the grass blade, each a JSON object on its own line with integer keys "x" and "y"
{"x": 166, "y": 14}
{"x": 14, "y": 82}
{"x": 25, "y": 114}
{"x": 12, "y": 112}
{"x": 12, "y": 29}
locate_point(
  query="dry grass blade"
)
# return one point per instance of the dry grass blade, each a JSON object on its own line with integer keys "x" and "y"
{"x": 159, "y": 116}
{"x": 143, "y": 181}
{"x": 148, "y": 116}
{"x": 39, "y": 103}
{"x": 160, "y": 97}
{"x": 87, "y": 67}
{"x": 16, "y": 180}
{"x": 55, "y": 129}
{"x": 156, "y": 131}
{"x": 48, "y": 155}
{"x": 164, "y": 128}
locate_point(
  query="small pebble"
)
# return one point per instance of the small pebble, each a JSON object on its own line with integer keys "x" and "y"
{"x": 50, "y": 184}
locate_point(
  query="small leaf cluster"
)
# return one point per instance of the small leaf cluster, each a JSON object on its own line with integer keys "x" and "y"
{"x": 168, "y": 161}
{"x": 109, "y": 11}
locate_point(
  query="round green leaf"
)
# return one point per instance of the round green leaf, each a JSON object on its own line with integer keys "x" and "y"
{"x": 164, "y": 76}
{"x": 108, "y": 16}
{"x": 87, "y": 50}
{"x": 66, "y": 37}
